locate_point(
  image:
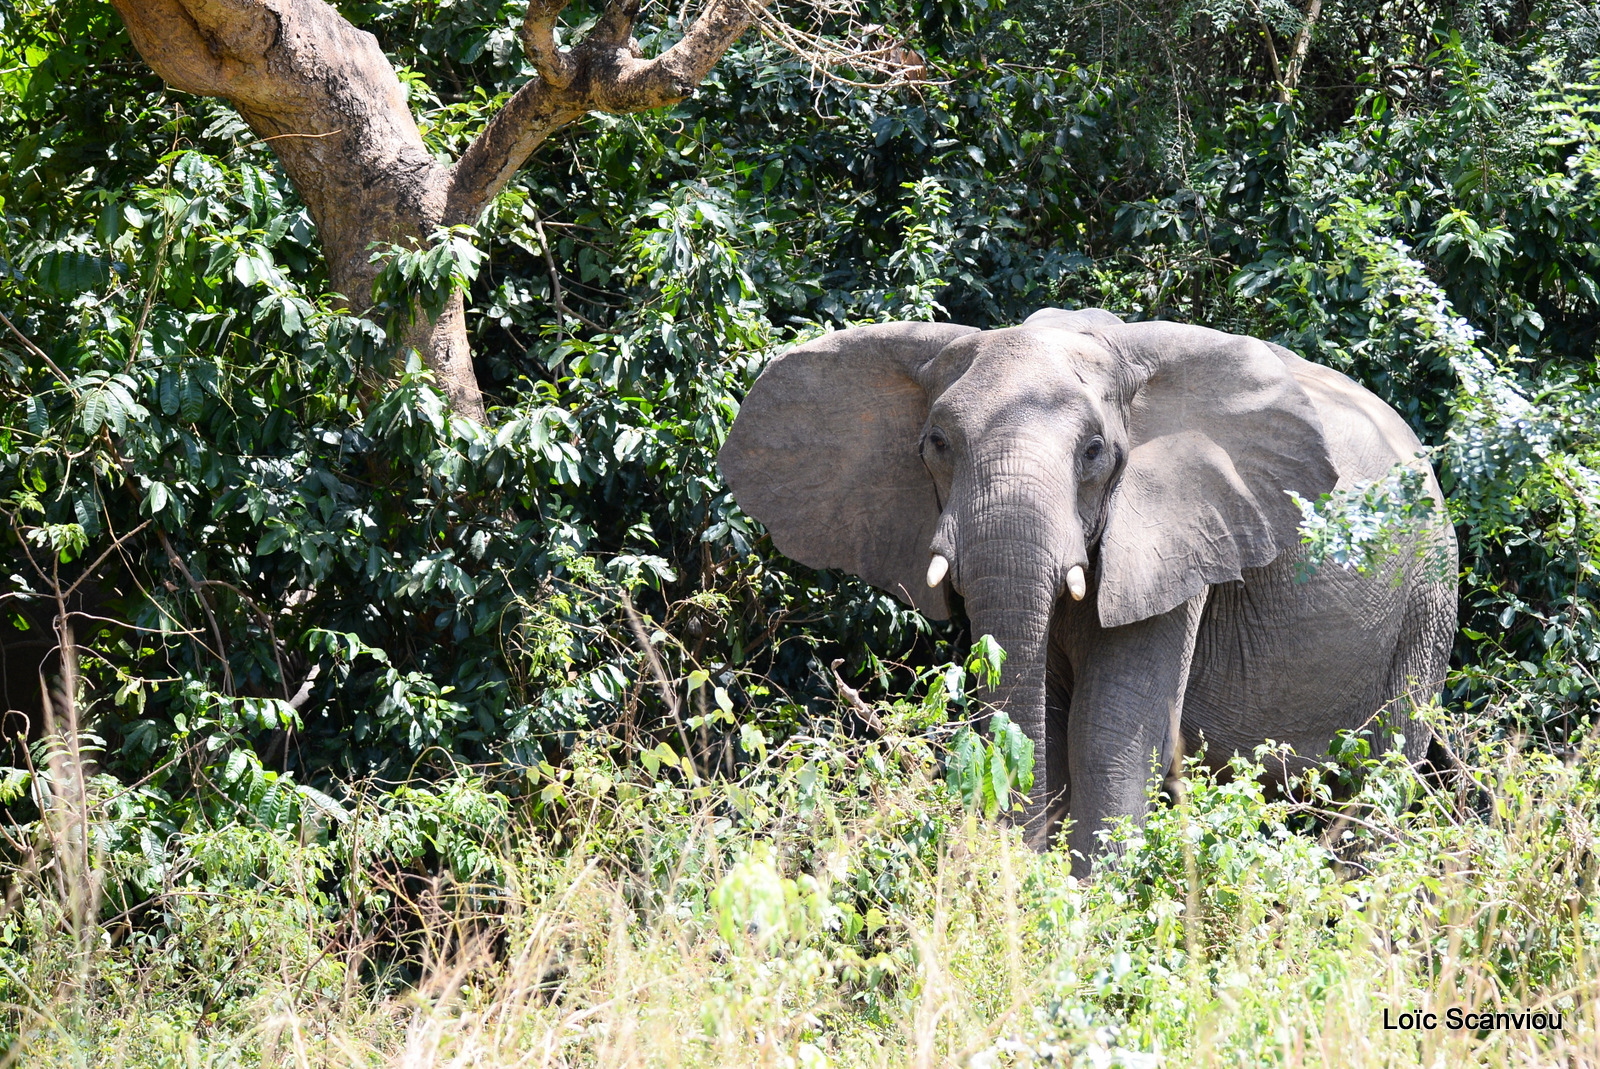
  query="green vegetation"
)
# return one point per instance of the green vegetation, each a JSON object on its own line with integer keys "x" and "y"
{"x": 384, "y": 737}
{"x": 835, "y": 905}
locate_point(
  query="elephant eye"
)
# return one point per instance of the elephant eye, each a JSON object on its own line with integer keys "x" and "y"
{"x": 937, "y": 439}
{"x": 1096, "y": 446}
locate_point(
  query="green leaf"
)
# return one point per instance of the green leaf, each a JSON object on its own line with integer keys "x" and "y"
{"x": 985, "y": 660}
{"x": 14, "y": 784}
{"x": 324, "y": 804}
{"x": 1015, "y": 751}
{"x": 169, "y": 383}
{"x": 753, "y": 741}
{"x": 992, "y": 782}
{"x": 234, "y": 769}
{"x": 253, "y": 267}
{"x": 964, "y": 767}
{"x": 96, "y": 409}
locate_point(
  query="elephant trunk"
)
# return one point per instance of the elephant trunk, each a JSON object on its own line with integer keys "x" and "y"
{"x": 1011, "y": 575}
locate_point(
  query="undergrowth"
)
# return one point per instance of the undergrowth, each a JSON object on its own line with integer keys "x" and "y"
{"x": 839, "y": 904}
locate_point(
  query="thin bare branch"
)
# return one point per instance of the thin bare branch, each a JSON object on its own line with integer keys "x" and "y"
{"x": 563, "y": 313}
{"x": 555, "y": 277}
{"x": 28, "y": 344}
{"x": 303, "y": 694}
{"x": 890, "y": 63}
{"x": 205, "y": 604}
{"x": 95, "y": 567}
{"x": 852, "y": 697}
{"x": 266, "y": 620}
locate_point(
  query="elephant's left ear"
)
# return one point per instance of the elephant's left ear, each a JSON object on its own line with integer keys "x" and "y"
{"x": 1219, "y": 431}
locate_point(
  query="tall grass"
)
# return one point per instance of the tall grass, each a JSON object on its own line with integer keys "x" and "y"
{"x": 837, "y": 907}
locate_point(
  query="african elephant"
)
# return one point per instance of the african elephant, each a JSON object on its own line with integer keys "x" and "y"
{"x": 1110, "y": 500}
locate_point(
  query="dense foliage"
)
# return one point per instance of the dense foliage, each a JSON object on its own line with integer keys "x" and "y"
{"x": 294, "y": 570}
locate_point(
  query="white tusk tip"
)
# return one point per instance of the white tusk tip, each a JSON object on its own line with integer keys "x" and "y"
{"x": 1075, "y": 582}
{"x": 937, "y": 568}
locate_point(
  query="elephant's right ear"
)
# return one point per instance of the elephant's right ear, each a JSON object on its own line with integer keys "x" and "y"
{"x": 825, "y": 453}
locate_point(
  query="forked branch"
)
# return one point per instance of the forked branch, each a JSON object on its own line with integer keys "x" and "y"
{"x": 323, "y": 94}
{"x": 603, "y": 72}
{"x": 1285, "y": 79}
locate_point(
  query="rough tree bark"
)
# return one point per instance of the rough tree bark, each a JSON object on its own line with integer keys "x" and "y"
{"x": 325, "y": 97}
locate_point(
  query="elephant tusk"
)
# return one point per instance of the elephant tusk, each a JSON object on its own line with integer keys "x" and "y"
{"x": 936, "y": 569}
{"x": 1075, "y": 582}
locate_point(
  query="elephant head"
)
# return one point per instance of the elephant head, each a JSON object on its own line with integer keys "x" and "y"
{"x": 1074, "y": 456}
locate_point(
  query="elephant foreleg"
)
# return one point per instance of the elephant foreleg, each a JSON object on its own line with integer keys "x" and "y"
{"x": 1123, "y": 728}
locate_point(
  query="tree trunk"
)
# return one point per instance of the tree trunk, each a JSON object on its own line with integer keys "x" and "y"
{"x": 326, "y": 99}
{"x": 324, "y": 96}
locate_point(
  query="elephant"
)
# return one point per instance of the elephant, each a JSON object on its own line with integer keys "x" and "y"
{"x": 1111, "y": 502}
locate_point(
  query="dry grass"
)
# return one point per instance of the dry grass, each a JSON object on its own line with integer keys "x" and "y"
{"x": 1225, "y": 939}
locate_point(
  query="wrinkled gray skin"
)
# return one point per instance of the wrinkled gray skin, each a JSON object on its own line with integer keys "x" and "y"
{"x": 1156, "y": 456}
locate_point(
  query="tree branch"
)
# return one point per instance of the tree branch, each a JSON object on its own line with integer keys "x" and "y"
{"x": 303, "y": 695}
{"x": 216, "y": 631}
{"x": 532, "y": 114}
{"x": 556, "y": 67}
{"x": 603, "y": 72}
{"x": 326, "y": 98}
{"x": 616, "y": 24}
{"x": 208, "y": 47}
{"x": 27, "y": 343}
{"x": 1302, "y": 46}
{"x": 852, "y": 697}
{"x": 1272, "y": 55}
{"x": 167, "y": 36}
{"x": 563, "y": 313}
{"x": 640, "y": 85}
